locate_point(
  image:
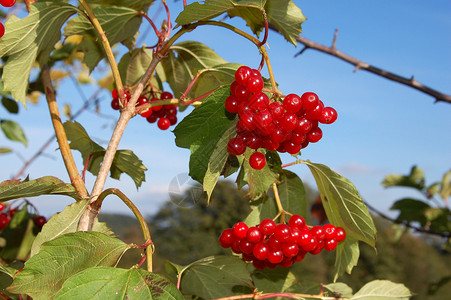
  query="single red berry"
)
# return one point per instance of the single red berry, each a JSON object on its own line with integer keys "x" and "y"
{"x": 287, "y": 263}
{"x": 40, "y": 221}
{"x": 172, "y": 119}
{"x": 275, "y": 256}
{"x": 296, "y": 221}
{"x": 248, "y": 257}
{"x": 236, "y": 247}
{"x": 318, "y": 232}
{"x": 152, "y": 118}
{"x": 246, "y": 246}
{"x": 316, "y": 113}
{"x": 261, "y": 250}
{"x": 274, "y": 243}
{"x": 257, "y": 160}
{"x": 341, "y": 234}
{"x": 298, "y": 138}
{"x": 236, "y": 146}
{"x": 259, "y": 264}
{"x": 242, "y": 93}
{"x": 330, "y": 244}
{"x": 263, "y": 119}
{"x": 290, "y": 249}
{"x": 315, "y": 251}
{"x": 291, "y": 147}
{"x": 289, "y": 121}
{"x": 304, "y": 125}
{"x": 233, "y": 87}
{"x": 232, "y": 104}
{"x": 309, "y": 100}
{"x": 156, "y": 108}
{"x": 315, "y": 135}
{"x": 247, "y": 121}
{"x": 254, "y": 235}
{"x": 243, "y": 74}
{"x": 292, "y": 103}
{"x": 115, "y": 94}
{"x": 115, "y": 104}
{"x": 166, "y": 95}
{"x": 240, "y": 230}
{"x": 308, "y": 242}
{"x": 163, "y": 123}
{"x": 259, "y": 101}
{"x": 267, "y": 226}
{"x": 295, "y": 234}
{"x": 328, "y": 115}
{"x": 7, "y": 3}
{"x": 227, "y": 238}
{"x": 330, "y": 231}
{"x": 254, "y": 84}
{"x": 2, "y": 29}
{"x": 276, "y": 110}
{"x": 2, "y": 206}
{"x": 4, "y": 221}
{"x": 282, "y": 232}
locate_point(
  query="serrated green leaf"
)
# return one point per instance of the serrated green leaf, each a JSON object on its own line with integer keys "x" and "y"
{"x": 10, "y": 105}
{"x": 415, "y": 179}
{"x": 343, "y": 205}
{"x": 259, "y": 181}
{"x": 114, "y": 283}
{"x": 184, "y": 61}
{"x": 382, "y": 289}
{"x": 125, "y": 161}
{"x": 292, "y": 193}
{"x": 63, "y": 223}
{"x": 13, "y": 131}
{"x": 59, "y": 259}
{"x": 202, "y": 130}
{"x": 120, "y": 25}
{"x": 215, "y": 277}
{"x": 47, "y": 185}
{"x": 29, "y": 39}
{"x": 346, "y": 257}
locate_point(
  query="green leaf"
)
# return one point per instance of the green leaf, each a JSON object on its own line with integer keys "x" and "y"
{"x": 445, "y": 186}
{"x": 415, "y": 179}
{"x": 134, "y": 64}
{"x": 411, "y": 210}
{"x": 125, "y": 161}
{"x": 6, "y": 277}
{"x": 292, "y": 193}
{"x": 277, "y": 280}
{"x": 59, "y": 259}
{"x": 259, "y": 181}
{"x": 10, "y": 105}
{"x": 120, "y": 24}
{"x": 347, "y": 256}
{"x": 114, "y": 283}
{"x": 135, "y": 4}
{"x": 202, "y": 131}
{"x": 13, "y": 131}
{"x": 5, "y": 150}
{"x": 214, "y": 76}
{"x": 343, "y": 205}
{"x": 340, "y": 289}
{"x": 29, "y": 39}
{"x": 47, "y": 185}
{"x": 184, "y": 61}
{"x": 215, "y": 277}
{"x": 382, "y": 289}
{"x": 63, "y": 223}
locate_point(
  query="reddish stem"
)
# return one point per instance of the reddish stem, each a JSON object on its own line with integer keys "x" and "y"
{"x": 265, "y": 38}
{"x": 198, "y": 98}
{"x": 184, "y": 3}
{"x": 262, "y": 63}
{"x": 151, "y": 23}
{"x": 86, "y": 167}
{"x": 168, "y": 33}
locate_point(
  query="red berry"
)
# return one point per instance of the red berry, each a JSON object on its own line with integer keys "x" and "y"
{"x": 261, "y": 251}
{"x": 236, "y": 247}
{"x": 276, "y": 110}
{"x": 236, "y": 146}
{"x": 12, "y": 212}
{"x": 163, "y": 123}
{"x": 166, "y": 95}
{"x": 243, "y": 74}
{"x": 227, "y": 238}
{"x": 316, "y": 113}
{"x": 289, "y": 121}
{"x": 242, "y": 93}
{"x": 2, "y": 29}
{"x": 309, "y": 100}
{"x": 254, "y": 235}
{"x": 257, "y": 160}
{"x": 263, "y": 119}
{"x": 267, "y": 226}
{"x": 254, "y": 84}
{"x": 274, "y": 243}
{"x": 156, "y": 108}
{"x": 246, "y": 246}
{"x": 304, "y": 125}
{"x": 115, "y": 104}
{"x": 296, "y": 221}
{"x": 328, "y": 115}
{"x": 282, "y": 232}
{"x": 115, "y": 94}
{"x": 259, "y": 101}
{"x": 330, "y": 244}
{"x": 315, "y": 135}
{"x": 330, "y": 231}
{"x": 318, "y": 232}
{"x": 233, "y": 87}
{"x": 2, "y": 206}
{"x": 292, "y": 103}
{"x": 275, "y": 256}
{"x": 152, "y": 118}
{"x": 290, "y": 249}
{"x": 259, "y": 264}
{"x": 232, "y": 104}
{"x": 341, "y": 234}
{"x": 40, "y": 221}
{"x": 298, "y": 138}
{"x": 172, "y": 119}
{"x": 7, "y": 3}
{"x": 4, "y": 220}
{"x": 292, "y": 148}
{"x": 240, "y": 230}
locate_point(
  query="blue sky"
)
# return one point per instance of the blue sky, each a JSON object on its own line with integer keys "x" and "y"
{"x": 383, "y": 127}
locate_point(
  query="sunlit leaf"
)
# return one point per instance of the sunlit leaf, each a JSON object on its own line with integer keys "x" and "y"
{"x": 415, "y": 179}
{"x": 382, "y": 290}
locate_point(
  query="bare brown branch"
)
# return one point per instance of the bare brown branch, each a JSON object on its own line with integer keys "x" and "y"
{"x": 360, "y": 65}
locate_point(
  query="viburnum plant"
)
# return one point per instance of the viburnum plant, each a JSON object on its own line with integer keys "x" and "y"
{"x": 241, "y": 121}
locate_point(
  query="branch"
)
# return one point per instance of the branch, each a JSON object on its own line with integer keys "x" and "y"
{"x": 408, "y": 225}
{"x": 61, "y": 137}
{"x": 360, "y": 65}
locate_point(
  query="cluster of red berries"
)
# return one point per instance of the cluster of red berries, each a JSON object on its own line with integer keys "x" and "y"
{"x": 8, "y": 213}
{"x": 166, "y": 115}
{"x": 5, "y": 3}
{"x": 268, "y": 244}
{"x": 286, "y": 127}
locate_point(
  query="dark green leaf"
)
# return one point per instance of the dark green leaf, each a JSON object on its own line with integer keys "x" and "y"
{"x": 125, "y": 161}
{"x": 13, "y": 131}
{"x": 59, "y": 259}
{"x": 383, "y": 290}
{"x": 343, "y": 205}
{"x": 411, "y": 210}
{"x": 29, "y": 39}
{"x": 113, "y": 283}
{"x": 10, "y": 105}
{"x": 135, "y": 4}
{"x": 47, "y": 185}
{"x": 184, "y": 61}
{"x": 415, "y": 179}
{"x": 445, "y": 186}
{"x": 63, "y": 223}
{"x": 215, "y": 277}
{"x": 292, "y": 193}
{"x": 202, "y": 131}
{"x": 263, "y": 208}
{"x": 277, "y": 280}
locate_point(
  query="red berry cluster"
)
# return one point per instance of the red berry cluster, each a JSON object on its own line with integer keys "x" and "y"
{"x": 5, "y": 3}
{"x": 269, "y": 244}
{"x": 166, "y": 115}
{"x": 7, "y": 213}
{"x": 286, "y": 127}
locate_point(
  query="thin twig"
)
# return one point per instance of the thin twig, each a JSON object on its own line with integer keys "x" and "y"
{"x": 360, "y": 65}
